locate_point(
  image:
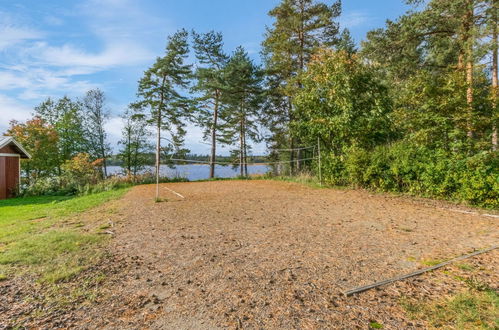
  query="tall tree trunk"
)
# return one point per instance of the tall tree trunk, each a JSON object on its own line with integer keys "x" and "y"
{"x": 468, "y": 44}
{"x": 495, "y": 87}
{"x": 291, "y": 139}
{"x": 158, "y": 151}
{"x": 302, "y": 67}
{"x": 245, "y": 156}
{"x": 104, "y": 160}
{"x": 214, "y": 136}
{"x": 469, "y": 97}
{"x": 104, "y": 164}
{"x": 135, "y": 160}
{"x": 301, "y": 37}
{"x": 129, "y": 152}
{"x": 103, "y": 148}
{"x": 158, "y": 137}
{"x": 241, "y": 144}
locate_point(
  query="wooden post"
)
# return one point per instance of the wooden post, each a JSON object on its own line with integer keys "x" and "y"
{"x": 320, "y": 170}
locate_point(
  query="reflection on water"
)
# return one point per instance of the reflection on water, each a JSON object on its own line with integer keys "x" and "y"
{"x": 197, "y": 172}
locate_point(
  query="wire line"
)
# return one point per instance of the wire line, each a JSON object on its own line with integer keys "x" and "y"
{"x": 232, "y": 163}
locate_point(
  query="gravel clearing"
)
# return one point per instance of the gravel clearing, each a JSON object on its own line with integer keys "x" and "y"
{"x": 269, "y": 254}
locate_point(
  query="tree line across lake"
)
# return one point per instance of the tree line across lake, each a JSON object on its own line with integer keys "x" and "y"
{"x": 413, "y": 109}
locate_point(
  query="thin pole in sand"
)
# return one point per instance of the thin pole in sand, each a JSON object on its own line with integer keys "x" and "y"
{"x": 417, "y": 272}
{"x": 320, "y": 170}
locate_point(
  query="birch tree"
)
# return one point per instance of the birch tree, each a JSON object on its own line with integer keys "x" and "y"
{"x": 134, "y": 142}
{"x": 95, "y": 116}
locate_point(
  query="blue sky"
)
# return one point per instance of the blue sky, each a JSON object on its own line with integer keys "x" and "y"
{"x": 63, "y": 47}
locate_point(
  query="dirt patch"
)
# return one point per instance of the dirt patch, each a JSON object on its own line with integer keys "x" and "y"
{"x": 266, "y": 254}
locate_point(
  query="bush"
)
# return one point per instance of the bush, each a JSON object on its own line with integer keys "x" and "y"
{"x": 403, "y": 167}
{"x": 80, "y": 172}
{"x": 82, "y": 177}
{"x": 479, "y": 182}
{"x": 45, "y": 186}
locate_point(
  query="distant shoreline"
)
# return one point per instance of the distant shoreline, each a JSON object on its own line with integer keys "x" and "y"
{"x": 201, "y": 164}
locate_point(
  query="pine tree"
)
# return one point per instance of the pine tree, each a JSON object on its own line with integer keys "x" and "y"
{"x": 160, "y": 94}
{"x": 299, "y": 29}
{"x": 209, "y": 84}
{"x": 432, "y": 58}
{"x": 243, "y": 96}
{"x": 493, "y": 22}
{"x": 346, "y": 43}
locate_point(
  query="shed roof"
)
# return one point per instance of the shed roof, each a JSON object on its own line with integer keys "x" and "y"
{"x": 9, "y": 141}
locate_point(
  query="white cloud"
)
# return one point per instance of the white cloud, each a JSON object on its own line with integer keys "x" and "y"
{"x": 10, "y": 109}
{"x": 354, "y": 19}
{"x": 53, "y": 20}
{"x": 37, "y": 67}
{"x": 79, "y": 61}
{"x": 11, "y": 35}
{"x": 34, "y": 64}
{"x": 113, "y": 128}
{"x": 11, "y": 80}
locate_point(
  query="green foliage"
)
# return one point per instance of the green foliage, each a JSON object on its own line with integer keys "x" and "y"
{"x": 413, "y": 112}
{"x": 404, "y": 167}
{"x": 210, "y": 84}
{"x": 66, "y": 116}
{"x": 299, "y": 29}
{"x": 346, "y": 43}
{"x": 77, "y": 175}
{"x": 135, "y": 147}
{"x": 159, "y": 90}
{"x": 80, "y": 171}
{"x": 50, "y": 185}
{"x": 375, "y": 325}
{"x": 209, "y": 78}
{"x": 431, "y": 58}
{"x": 40, "y": 140}
{"x": 243, "y": 96}
{"x": 96, "y": 115}
{"x": 342, "y": 103}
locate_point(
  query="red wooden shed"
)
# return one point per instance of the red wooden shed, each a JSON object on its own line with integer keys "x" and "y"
{"x": 11, "y": 153}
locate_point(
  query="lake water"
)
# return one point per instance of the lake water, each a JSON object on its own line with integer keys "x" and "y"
{"x": 196, "y": 172}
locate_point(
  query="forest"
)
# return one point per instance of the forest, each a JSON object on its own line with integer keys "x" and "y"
{"x": 411, "y": 109}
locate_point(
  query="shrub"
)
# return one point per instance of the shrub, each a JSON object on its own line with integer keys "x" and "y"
{"x": 80, "y": 172}
{"x": 82, "y": 177}
{"x": 479, "y": 182}
{"x": 45, "y": 186}
{"x": 407, "y": 168}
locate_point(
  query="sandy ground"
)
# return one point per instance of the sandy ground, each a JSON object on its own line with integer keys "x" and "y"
{"x": 268, "y": 254}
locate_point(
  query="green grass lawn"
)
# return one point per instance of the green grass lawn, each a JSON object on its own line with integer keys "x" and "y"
{"x": 476, "y": 306}
{"x": 469, "y": 309}
{"x": 33, "y": 242}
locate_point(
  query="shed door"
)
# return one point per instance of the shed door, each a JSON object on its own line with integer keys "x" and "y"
{"x": 12, "y": 177}
{"x": 3, "y": 181}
